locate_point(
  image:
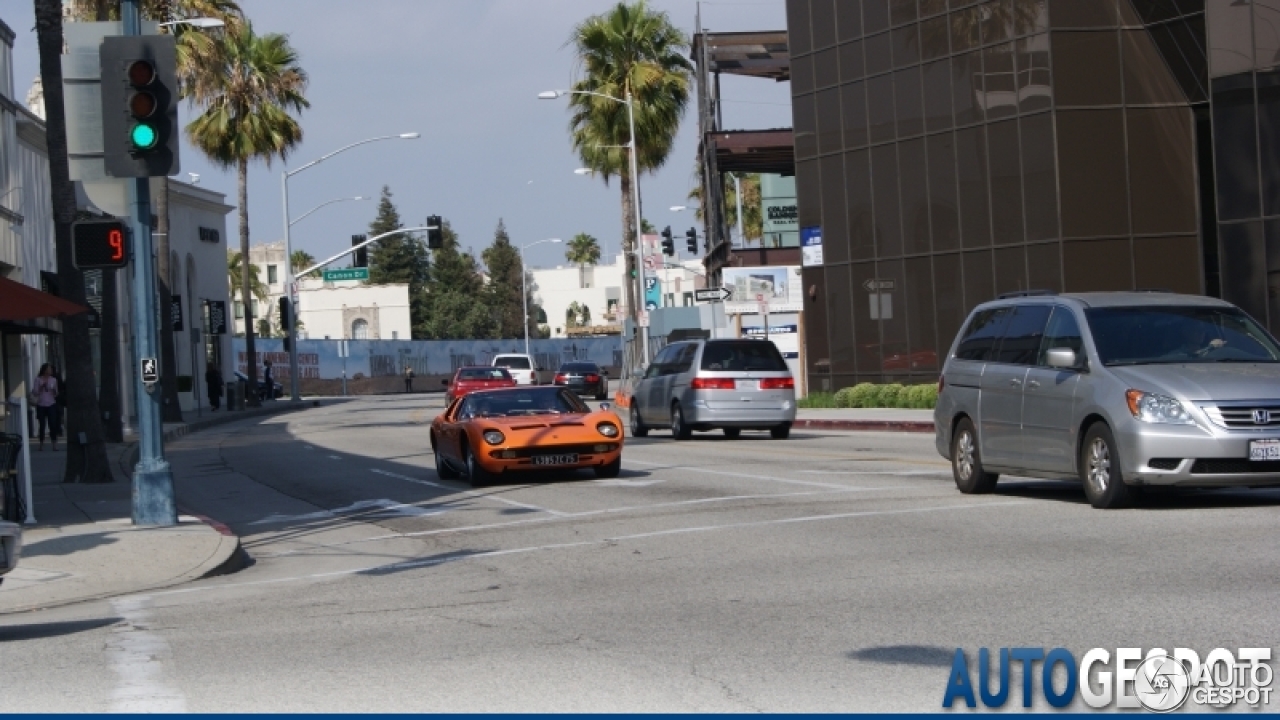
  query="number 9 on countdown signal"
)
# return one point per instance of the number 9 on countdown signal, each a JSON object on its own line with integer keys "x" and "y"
{"x": 99, "y": 244}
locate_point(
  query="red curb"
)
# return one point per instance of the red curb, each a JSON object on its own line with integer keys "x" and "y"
{"x": 221, "y": 528}
{"x": 913, "y": 426}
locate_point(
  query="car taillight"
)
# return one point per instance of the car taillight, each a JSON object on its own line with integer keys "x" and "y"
{"x": 700, "y": 383}
{"x": 560, "y": 378}
{"x": 778, "y": 384}
{"x": 593, "y": 378}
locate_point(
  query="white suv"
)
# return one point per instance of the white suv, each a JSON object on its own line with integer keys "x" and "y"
{"x": 522, "y": 367}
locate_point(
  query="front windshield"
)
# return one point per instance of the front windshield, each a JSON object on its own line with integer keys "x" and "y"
{"x": 542, "y": 401}
{"x": 1178, "y": 335}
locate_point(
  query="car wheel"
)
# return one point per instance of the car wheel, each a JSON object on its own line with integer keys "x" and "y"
{"x": 679, "y": 430}
{"x": 609, "y": 470}
{"x": 780, "y": 432}
{"x": 1100, "y": 470}
{"x": 966, "y": 461}
{"x": 443, "y": 471}
{"x": 733, "y": 433}
{"x": 476, "y": 473}
{"x": 637, "y": 425}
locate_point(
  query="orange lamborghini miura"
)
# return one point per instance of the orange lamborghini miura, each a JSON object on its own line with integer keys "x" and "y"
{"x": 488, "y": 433}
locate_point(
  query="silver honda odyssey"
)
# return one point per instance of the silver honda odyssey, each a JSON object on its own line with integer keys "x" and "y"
{"x": 1122, "y": 390}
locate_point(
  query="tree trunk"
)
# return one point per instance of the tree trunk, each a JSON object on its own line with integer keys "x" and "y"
{"x": 172, "y": 408}
{"x": 246, "y": 295}
{"x": 86, "y": 461}
{"x": 628, "y": 248}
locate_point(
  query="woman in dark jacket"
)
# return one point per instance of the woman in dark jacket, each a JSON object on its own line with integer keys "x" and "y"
{"x": 213, "y": 383}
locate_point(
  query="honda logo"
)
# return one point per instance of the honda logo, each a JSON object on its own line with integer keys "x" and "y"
{"x": 1261, "y": 417}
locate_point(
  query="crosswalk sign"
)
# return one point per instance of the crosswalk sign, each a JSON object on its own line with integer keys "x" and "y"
{"x": 150, "y": 370}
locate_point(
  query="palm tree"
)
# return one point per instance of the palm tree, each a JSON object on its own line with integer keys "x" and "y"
{"x": 752, "y": 204}
{"x": 235, "y": 278}
{"x": 628, "y": 50}
{"x": 87, "y": 460}
{"x": 299, "y": 259}
{"x": 582, "y": 250}
{"x": 247, "y": 85}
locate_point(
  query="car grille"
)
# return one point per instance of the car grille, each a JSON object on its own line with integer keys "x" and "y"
{"x": 583, "y": 449}
{"x": 1234, "y": 466}
{"x": 1164, "y": 463}
{"x": 1242, "y": 417}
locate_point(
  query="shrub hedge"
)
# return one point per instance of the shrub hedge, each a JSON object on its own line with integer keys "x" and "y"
{"x": 868, "y": 395}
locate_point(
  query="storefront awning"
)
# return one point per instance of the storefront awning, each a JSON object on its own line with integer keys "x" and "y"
{"x": 754, "y": 151}
{"x": 21, "y": 304}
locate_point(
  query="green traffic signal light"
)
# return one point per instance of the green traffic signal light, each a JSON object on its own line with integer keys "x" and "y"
{"x": 143, "y": 136}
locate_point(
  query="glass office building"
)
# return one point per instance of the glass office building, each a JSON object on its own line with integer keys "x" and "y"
{"x": 948, "y": 151}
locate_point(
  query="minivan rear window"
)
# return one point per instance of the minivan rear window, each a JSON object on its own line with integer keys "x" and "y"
{"x": 743, "y": 355}
{"x": 518, "y": 362}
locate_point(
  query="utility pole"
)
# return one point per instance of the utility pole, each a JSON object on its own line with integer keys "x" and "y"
{"x": 153, "y": 498}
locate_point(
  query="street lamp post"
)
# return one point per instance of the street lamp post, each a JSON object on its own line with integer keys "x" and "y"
{"x": 290, "y": 283}
{"x": 524, "y": 292}
{"x": 300, "y": 218}
{"x": 638, "y": 251}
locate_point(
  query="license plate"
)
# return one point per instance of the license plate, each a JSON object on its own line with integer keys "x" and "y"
{"x": 1268, "y": 449}
{"x": 746, "y": 385}
{"x": 554, "y": 459}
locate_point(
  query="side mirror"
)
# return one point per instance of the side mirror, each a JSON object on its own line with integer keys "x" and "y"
{"x": 1063, "y": 358}
{"x": 445, "y": 382}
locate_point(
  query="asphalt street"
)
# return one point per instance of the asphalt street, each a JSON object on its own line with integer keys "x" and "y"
{"x": 830, "y": 572}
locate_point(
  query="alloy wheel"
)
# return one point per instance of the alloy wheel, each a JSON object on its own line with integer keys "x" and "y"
{"x": 964, "y": 455}
{"x": 1099, "y": 465}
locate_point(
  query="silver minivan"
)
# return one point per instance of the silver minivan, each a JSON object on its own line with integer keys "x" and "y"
{"x": 707, "y": 384}
{"x": 1120, "y": 390}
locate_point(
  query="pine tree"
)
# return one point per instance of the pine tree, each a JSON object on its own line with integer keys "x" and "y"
{"x": 505, "y": 267}
{"x": 400, "y": 258}
{"x": 456, "y": 302}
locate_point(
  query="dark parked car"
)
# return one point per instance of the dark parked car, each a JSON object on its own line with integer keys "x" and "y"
{"x": 584, "y": 378}
{"x": 277, "y": 390}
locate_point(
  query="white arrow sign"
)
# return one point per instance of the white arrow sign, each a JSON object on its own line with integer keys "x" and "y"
{"x": 873, "y": 285}
{"x": 719, "y": 294}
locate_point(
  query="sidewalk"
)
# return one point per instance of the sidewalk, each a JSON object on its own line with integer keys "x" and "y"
{"x": 84, "y": 545}
{"x": 881, "y": 419}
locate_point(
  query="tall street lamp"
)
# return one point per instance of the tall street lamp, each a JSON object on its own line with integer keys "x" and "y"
{"x": 638, "y": 251}
{"x": 290, "y": 283}
{"x": 300, "y": 218}
{"x": 524, "y": 292}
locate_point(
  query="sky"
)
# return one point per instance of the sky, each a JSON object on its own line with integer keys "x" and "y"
{"x": 466, "y": 75}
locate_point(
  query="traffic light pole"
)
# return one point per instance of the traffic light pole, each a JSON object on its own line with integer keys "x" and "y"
{"x": 291, "y": 332}
{"x": 153, "y": 499}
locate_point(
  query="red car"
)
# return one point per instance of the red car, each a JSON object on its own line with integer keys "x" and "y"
{"x": 480, "y": 377}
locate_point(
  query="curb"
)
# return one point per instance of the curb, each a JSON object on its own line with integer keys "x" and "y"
{"x": 909, "y": 426}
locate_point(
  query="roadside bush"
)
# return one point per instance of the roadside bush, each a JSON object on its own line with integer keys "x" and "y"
{"x": 817, "y": 400}
{"x": 863, "y": 395}
{"x": 868, "y": 395}
{"x": 890, "y": 396}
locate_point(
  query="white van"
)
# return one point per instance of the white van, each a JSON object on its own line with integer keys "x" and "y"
{"x": 522, "y": 367}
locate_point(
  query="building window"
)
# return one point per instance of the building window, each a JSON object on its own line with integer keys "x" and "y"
{"x": 395, "y": 334}
{"x": 360, "y": 330}
{"x": 239, "y": 310}
{"x": 688, "y": 299}
{"x": 271, "y": 275}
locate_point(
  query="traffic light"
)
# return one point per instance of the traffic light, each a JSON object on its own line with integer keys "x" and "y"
{"x": 286, "y": 312}
{"x": 139, "y": 105}
{"x": 435, "y": 232}
{"x": 361, "y": 258}
{"x": 691, "y": 238}
{"x": 99, "y": 244}
{"x": 668, "y": 242}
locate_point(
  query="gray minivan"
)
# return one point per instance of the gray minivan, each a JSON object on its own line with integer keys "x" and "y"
{"x": 707, "y": 384}
{"x": 1121, "y": 390}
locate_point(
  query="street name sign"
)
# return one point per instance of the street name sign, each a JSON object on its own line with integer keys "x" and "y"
{"x": 719, "y": 294}
{"x": 346, "y": 274}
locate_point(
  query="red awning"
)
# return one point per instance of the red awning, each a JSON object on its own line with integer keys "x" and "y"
{"x": 19, "y": 302}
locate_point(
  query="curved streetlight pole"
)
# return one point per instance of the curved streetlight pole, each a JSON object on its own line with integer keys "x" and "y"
{"x": 290, "y": 282}
{"x": 299, "y": 219}
{"x": 524, "y": 292}
{"x": 638, "y": 251}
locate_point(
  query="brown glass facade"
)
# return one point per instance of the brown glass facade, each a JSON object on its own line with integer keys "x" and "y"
{"x": 953, "y": 150}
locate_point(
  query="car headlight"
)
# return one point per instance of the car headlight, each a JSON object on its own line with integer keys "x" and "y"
{"x": 1153, "y": 408}
{"x": 607, "y": 429}
{"x": 493, "y": 437}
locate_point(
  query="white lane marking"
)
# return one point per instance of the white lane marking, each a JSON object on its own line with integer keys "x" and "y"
{"x": 382, "y": 509}
{"x": 137, "y": 657}
{"x": 335, "y": 457}
{"x": 788, "y": 481}
{"x": 903, "y": 473}
{"x": 619, "y": 482}
{"x": 308, "y": 447}
{"x": 471, "y": 493}
{"x": 428, "y": 562}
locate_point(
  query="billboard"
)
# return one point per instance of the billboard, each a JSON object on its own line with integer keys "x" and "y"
{"x": 777, "y": 285}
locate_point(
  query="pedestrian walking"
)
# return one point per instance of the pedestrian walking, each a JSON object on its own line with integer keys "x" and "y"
{"x": 46, "y": 401}
{"x": 408, "y": 378}
{"x": 268, "y": 382}
{"x": 213, "y": 383}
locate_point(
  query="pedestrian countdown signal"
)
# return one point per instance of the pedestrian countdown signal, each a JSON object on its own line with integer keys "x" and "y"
{"x": 99, "y": 244}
